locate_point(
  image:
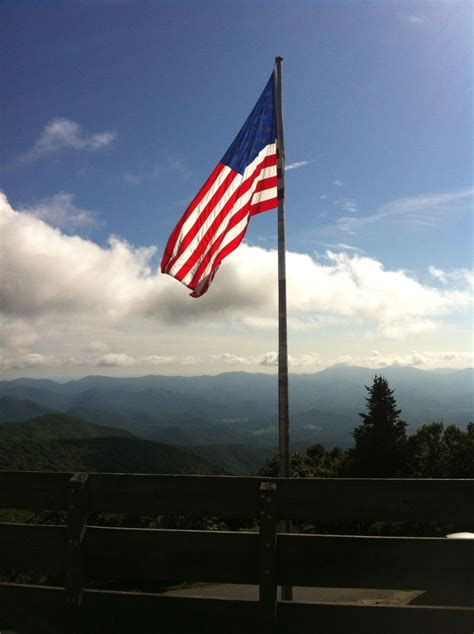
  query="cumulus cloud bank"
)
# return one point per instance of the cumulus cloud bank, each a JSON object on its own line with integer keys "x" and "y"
{"x": 43, "y": 271}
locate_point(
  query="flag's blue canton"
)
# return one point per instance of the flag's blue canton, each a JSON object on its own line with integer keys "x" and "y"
{"x": 257, "y": 132}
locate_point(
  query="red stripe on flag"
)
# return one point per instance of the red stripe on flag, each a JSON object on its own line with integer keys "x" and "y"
{"x": 240, "y": 215}
{"x": 220, "y": 218}
{"x": 202, "y": 288}
{"x": 265, "y": 205}
{"x": 236, "y": 218}
{"x": 200, "y": 250}
{"x": 202, "y": 217}
{"x": 202, "y": 192}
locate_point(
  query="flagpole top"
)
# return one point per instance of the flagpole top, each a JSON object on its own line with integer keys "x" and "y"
{"x": 278, "y": 59}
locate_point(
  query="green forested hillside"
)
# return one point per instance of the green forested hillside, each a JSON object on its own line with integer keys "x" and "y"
{"x": 59, "y": 443}
{"x": 57, "y": 426}
{"x": 235, "y": 459}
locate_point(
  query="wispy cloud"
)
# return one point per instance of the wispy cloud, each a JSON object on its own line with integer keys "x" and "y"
{"x": 295, "y": 166}
{"x": 347, "y": 204}
{"x": 338, "y": 183}
{"x": 426, "y": 211}
{"x": 132, "y": 179}
{"x": 162, "y": 168}
{"x": 60, "y": 211}
{"x": 459, "y": 277}
{"x": 344, "y": 247}
{"x": 61, "y": 133}
{"x": 415, "y": 19}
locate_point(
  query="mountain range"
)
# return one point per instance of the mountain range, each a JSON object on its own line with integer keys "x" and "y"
{"x": 239, "y": 408}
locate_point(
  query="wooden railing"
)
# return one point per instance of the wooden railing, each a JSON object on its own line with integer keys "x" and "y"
{"x": 81, "y": 554}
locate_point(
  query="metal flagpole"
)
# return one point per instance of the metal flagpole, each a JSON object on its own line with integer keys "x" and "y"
{"x": 283, "y": 418}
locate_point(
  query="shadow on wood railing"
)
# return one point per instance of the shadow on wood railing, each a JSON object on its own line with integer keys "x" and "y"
{"x": 79, "y": 554}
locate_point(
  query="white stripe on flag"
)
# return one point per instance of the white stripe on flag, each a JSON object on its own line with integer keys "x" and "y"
{"x": 266, "y": 194}
{"x": 204, "y": 202}
{"x": 239, "y": 203}
{"x": 183, "y": 258}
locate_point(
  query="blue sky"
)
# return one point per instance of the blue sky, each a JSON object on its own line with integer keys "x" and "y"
{"x": 113, "y": 115}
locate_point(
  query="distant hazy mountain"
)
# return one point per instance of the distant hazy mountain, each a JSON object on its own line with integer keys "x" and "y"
{"x": 240, "y": 408}
{"x": 59, "y": 443}
{"x": 14, "y": 409}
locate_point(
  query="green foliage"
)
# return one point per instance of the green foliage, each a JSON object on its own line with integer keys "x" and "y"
{"x": 233, "y": 459}
{"x": 438, "y": 452}
{"x": 380, "y": 442}
{"x": 316, "y": 462}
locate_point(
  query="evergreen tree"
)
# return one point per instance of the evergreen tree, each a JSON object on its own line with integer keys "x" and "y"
{"x": 380, "y": 442}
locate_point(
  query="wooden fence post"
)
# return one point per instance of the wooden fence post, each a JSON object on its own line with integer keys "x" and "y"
{"x": 268, "y": 542}
{"x": 75, "y": 578}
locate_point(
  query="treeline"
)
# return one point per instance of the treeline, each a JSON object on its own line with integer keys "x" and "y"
{"x": 382, "y": 448}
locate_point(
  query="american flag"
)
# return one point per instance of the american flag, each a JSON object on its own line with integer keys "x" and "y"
{"x": 243, "y": 184}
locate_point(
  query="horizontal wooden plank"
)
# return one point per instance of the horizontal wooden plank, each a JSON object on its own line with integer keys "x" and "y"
{"x": 33, "y": 547}
{"x": 321, "y": 500}
{"x": 166, "y": 555}
{"x": 374, "y": 562}
{"x": 336, "y": 618}
{"x": 41, "y": 610}
{"x": 117, "y": 612}
{"x": 34, "y": 490}
{"x": 222, "y": 496}
{"x": 32, "y": 609}
{"x": 326, "y": 500}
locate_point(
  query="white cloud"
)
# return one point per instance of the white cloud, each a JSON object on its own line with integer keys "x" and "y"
{"x": 156, "y": 359}
{"x": 96, "y": 346}
{"x": 296, "y": 165}
{"x": 425, "y": 359}
{"x": 31, "y": 360}
{"x": 61, "y": 133}
{"x": 338, "y": 183}
{"x": 232, "y": 359}
{"x": 305, "y": 360}
{"x": 113, "y": 360}
{"x": 438, "y": 274}
{"x": 344, "y": 247}
{"x": 270, "y": 359}
{"x": 44, "y": 271}
{"x": 349, "y": 204}
{"x": 132, "y": 179}
{"x": 415, "y": 19}
{"x": 60, "y": 211}
{"x": 16, "y": 334}
{"x": 422, "y": 211}
{"x": 459, "y": 277}
{"x": 69, "y": 291}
